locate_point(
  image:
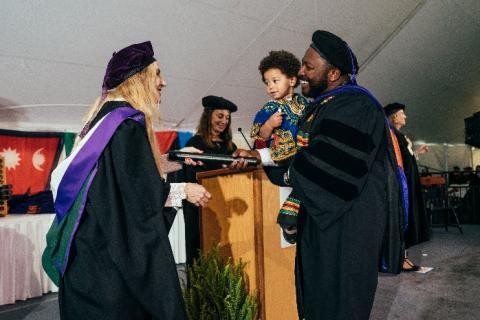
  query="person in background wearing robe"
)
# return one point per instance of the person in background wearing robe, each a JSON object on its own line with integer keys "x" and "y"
{"x": 110, "y": 203}
{"x": 416, "y": 225}
{"x": 214, "y": 135}
{"x": 347, "y": 181}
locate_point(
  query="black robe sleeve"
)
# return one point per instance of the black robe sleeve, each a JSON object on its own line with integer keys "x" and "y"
{"x": 128, "y": 197}
{"x": 276, "y": 175}
{"x": 169, "y": 214}
{"x": 331, "y": 172}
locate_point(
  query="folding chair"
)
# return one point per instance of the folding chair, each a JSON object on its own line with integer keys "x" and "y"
{"x": 437, "y": 203}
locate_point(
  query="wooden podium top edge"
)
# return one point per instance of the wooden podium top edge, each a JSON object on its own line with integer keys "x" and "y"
{"x": 221, "y": 172}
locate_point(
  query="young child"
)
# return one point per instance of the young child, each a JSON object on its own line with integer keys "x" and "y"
{"x": 275, "y": 125}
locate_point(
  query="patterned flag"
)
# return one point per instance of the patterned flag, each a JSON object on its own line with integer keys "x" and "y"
{"x": 29, "y": 159}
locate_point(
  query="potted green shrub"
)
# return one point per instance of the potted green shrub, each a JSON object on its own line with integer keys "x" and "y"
{"x": 218, "y": 290}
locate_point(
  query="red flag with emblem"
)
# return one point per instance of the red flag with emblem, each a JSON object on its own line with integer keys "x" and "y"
{"x": 29, "y": 159}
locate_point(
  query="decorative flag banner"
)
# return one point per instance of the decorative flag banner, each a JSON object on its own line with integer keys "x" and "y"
{"x": 68, "y": 142}
{"x": 31, "y": 156}
{"x": 165, "y": 140}
{"x": 29, "y": 159}
{"x": 172, "y": 139}
{"x": 183, "y": 137}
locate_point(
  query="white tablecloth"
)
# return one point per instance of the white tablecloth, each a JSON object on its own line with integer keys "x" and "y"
{"x": 22, "y": 241}
{"x": 177, "y": 238}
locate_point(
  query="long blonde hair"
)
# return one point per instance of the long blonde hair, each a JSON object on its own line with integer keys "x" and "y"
{"x": 140, "y": 92}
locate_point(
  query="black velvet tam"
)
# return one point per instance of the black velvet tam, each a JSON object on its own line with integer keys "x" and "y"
{"x": 336, "y": 51}
{"x": 214, "y": 102}
{"x": 392, "y": 108}
{"x": 127, "y": 62}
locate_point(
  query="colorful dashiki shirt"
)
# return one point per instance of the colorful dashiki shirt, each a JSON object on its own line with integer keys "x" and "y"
{"x": 287, "y": 217}
{"x": 282, "y": 143}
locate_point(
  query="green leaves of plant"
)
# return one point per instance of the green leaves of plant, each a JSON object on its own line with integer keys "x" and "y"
{"x": 218, "y": 290}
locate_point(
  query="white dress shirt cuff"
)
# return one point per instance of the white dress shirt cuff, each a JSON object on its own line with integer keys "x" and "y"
{"x": 176, "y": 195}
{"x": 266, "y": 158}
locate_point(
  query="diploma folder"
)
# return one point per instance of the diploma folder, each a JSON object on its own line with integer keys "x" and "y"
{"x": 209, "y": 157}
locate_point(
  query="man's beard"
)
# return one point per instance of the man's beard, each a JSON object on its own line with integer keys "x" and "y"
{"x": 317, "y": 88}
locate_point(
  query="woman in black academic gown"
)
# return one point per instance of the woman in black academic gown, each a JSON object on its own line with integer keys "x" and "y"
{"x": 418, "y": 229}
{"x": 121, "y": 265}
{"x": 214, "y": 135}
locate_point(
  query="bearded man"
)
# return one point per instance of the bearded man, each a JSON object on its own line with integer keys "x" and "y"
{"x": 347, "y": 179}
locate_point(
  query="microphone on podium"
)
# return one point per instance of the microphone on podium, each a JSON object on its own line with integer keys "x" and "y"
{"x": 248, "y": 144}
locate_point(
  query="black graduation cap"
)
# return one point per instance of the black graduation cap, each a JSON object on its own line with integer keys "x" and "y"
{"x": 336, "y": 51}
{"x": 392, "y": 108}
{"x": 214, "y": 102}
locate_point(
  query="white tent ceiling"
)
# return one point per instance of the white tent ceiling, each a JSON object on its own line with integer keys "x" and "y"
{"x": 420, "y": 52}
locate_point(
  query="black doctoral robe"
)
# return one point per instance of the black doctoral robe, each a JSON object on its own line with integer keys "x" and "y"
{"x": 418, "y": 228}
{"x": 121, "y": 264}
{"x": 190, "y": 211}
{"x": 350, "y": 196}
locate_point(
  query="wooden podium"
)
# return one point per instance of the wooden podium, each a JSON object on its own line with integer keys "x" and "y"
{"x": 241, "y": 216}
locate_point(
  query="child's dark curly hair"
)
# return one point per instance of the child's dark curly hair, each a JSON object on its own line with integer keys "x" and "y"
{"x": 282, "y": 60}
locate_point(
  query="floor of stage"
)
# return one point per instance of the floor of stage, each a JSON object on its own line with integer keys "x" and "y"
{"x": 450, "y": 291}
